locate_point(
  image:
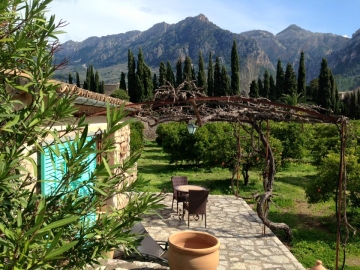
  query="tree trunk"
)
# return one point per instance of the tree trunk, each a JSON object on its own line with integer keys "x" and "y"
{"x": 262, "y": 211}
{"x": 264, "y": 200}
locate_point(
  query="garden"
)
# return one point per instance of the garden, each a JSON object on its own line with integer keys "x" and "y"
{"x": 304, "y": 186}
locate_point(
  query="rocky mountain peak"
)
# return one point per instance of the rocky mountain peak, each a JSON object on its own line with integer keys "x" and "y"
{"x": 202, "y": 17}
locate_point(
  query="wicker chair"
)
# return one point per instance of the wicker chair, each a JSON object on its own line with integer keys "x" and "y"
{"x": 178, "y": 181}
{"x": 196, "y": 204}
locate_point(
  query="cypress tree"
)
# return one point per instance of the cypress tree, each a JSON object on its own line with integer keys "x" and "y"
{"x": 162, "y": 73}
{"x": 225, "y": 83}
{"x": 131, "y": 77}
{"x": 217, "y": 77}
{"x": 169, "y": 73}
{"x": 77, "y": 79}
{"x": 92, "y": 85}
{"x": 290, "y": 82}
{"x": 179, "y": 74}
{"x": 235, "y": 71}
{"x": 148, "y": 84}
{"x": 193, "y": 73}
{"x": 101, "y": 87}
{"x": 335, "y": 95}
{"x": 313, "y": 90}
{"x": 155, "y": 83}
{"x": 260, "y": 87}
{"x": 210, "y": 77}
{"x": 122, "y": 81}
{"x": 325, "y": 88}
{"x": 187, "y": 73}
{"x": 254, "y": 89}
{"x": 96, "y": 82}
{"x": 279, "y": 80}
{"x": 266, "y": 86}
{"x": 272, "y": 95}
{"x": 144, "y": 86}
{"x": 140, "y": 76}
{"x": 70, "y": 79}
{"x": 201, "y": 78}
{"x": 301, "y": 83}
{"x": 85, "y": 85}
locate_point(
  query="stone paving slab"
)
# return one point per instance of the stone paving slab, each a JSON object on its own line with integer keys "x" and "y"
{"x": 234, "y": 223}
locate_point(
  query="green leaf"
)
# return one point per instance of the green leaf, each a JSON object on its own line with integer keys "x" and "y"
{"x": 11, "y": 123}
{"x": 58, "y": 223}
{"x": 60, "y": 250}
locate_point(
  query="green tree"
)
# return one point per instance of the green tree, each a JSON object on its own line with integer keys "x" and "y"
{"x": 217, "y": 78}
{"x": 54, "y": 230}
{"x": 210, "y": 77}
{"x": 235, "y": 71}
{"x": 70, "y": 79}
{"x": 162, "y": 73}
{"x": 254, "y": 90}
{"x": 260, "y": 86}
{"x": 91, "y": 79}
{"x": 201, "y": 78}
{"x": 312, "y": 90}
{"x": 187, "y": 73}
{"x": 280, "y": 76}
{"x": 155, "y": 82}
{"x": 169, "y": 73}
{"x": 77, "y": 79}
{"x": 290, "y": 82}
{"x": 266, "y": 86}
{"x": 325, "y": 87}
{"x": 225, "y": 83}
{"x": 97, "y": 83}
{"x": 334, "y": 95}
{"x": 179, "y": 74}
{"x": 272, "y": 95}
{"x": 144, "y": 86}
{"x": 132, "y": 77}
{"x": 122, "y": 81}
{"x": 301, "y": 83}
{"x": 101, "y": 87}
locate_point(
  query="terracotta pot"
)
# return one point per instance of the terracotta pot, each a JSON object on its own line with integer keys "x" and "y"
{"x": 193, "y": 250}
{"x": 318, "y": 266}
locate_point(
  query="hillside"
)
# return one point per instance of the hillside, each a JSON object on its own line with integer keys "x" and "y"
{"x": 258, "y": 50}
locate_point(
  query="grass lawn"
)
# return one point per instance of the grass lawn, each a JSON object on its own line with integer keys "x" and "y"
{"x": 313, "y": 225}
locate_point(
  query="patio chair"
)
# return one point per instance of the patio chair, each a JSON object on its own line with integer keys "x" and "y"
{"x": 177, "y": 181}
{"x": 196, "y": 204}
{"x": 148, "y": 247}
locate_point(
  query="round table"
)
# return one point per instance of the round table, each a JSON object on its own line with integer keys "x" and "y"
{"x": 186, "y": 188}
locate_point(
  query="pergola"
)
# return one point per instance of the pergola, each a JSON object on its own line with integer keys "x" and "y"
{"x": 187, "y": 103}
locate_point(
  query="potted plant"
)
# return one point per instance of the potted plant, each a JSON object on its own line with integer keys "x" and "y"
{"x": 193, "y": 250}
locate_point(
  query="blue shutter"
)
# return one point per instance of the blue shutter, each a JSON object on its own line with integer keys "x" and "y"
{"x": 53, "y": 171}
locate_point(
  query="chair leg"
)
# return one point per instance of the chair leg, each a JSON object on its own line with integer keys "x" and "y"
{"x": 172, "y": 205}
{"x": 205, "y": 220}
{"x": 188, "y": 219}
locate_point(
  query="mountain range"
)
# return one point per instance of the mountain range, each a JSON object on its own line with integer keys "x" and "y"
{"x": 258, "y": 50}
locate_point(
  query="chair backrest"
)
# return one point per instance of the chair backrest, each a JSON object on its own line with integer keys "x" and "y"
{"x": 177, "y": 181}
{"x": 147, "y": 246}
{"x": 197, "y": 201}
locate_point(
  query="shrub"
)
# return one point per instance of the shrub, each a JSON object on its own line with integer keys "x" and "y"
{"x": 137, "y": 136}
{"x": 43, "y": 231}
{"x": 120, "y": 94}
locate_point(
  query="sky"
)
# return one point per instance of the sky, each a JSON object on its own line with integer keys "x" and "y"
{"x": 87, "y": 18}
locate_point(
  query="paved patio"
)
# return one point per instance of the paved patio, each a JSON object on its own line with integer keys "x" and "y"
{"x": 243, "y": 246}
